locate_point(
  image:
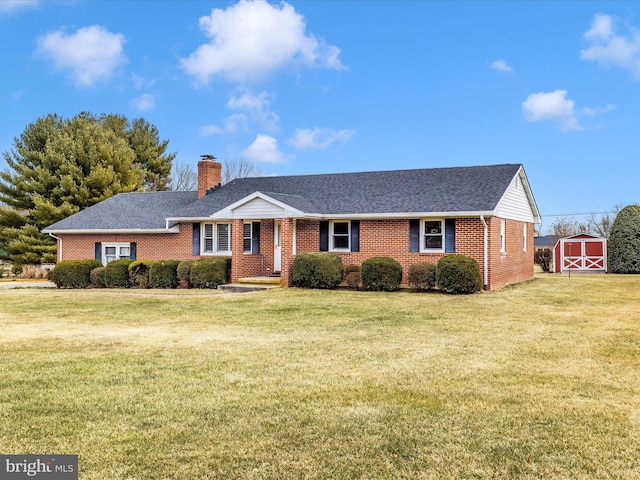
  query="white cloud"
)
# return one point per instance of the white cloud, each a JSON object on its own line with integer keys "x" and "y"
{"x": 607, "y": 48}
{"x": 252, "y": 39}
{"x": 144, "y": 102}
{"x": 319, "y": 138}
{"x": 13, "y": 5}
{"x": 592, "y": 112}
{"x": 258, "y": 108}
{"x": 92, "y": 53}
{"x": 231, "y": 124}
{"x": 601, "y": 28}
{"x": 264, "y": 149}
{"x": 552, "y": 106}
{"x": 141, "y": 82}
{"x": 501, "y": 66}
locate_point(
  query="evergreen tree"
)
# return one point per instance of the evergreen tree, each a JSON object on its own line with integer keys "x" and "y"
{"x": 624, "y": 241}
{"x": 59, "y": 166}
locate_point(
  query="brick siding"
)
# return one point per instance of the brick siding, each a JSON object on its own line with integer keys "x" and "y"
{"x": 377, "y": 237}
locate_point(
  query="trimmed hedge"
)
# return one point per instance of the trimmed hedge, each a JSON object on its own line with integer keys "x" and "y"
{"x": 624, "y": 241}
{"x": 97, "y": 277}
{"x": 458, "y": 274}
{"x": 422, "y": 276}
{"x": 317, "y": 270}
{"x": 381, "y": 274}
{"x": 210, "y": 272}
{"x": 139, "y": 273}
{"x": 184, "y": 273}
{"x": 164, "y": 274}
{"x": 74, "y": 273}
{"x": 116, "y": 274}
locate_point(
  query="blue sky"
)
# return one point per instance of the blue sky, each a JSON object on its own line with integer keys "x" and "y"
{"x": 306, "y": 87}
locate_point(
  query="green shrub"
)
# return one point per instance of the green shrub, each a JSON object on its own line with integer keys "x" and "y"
{"x": 164, "y": 274}
{"x": 116, "y": 274}
{"x": 317, "y": 270}
{"x": 74, "y": 273}
{"x": 624, "y": 241}
{"x": 381, "y": 274}
{"x": 184, "y": 273}
{"x": 458, "y": 274}
{"x": 97, "y": 277}
{"x": 422, "y": 276}
{"x": 139, "y": 273}
{"x": 210, "y": 272}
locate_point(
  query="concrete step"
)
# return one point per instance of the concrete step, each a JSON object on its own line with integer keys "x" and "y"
{"x": 260, "y": 281}
{"x": 251, "y": 284}
{"x": 246, "y": 287}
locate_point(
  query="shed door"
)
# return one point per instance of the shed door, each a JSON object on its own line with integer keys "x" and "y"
{"x": 584, "y": 254}
{"x": 594, "y": 255}
{"x": 572, "y": 255}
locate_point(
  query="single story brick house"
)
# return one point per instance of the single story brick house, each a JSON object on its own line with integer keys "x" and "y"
{"x": 485, "y": 212}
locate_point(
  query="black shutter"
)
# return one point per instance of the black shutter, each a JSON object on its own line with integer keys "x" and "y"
{"x": 255, "y": 237}
{"x": 450, "y": 235}
{"x": 414, "y": 235}
{"x": 133, "y": 250}
{"x": 196, "y": 239}
{"x": 355, "y": 235}
{"x": 324, "y": 235}
{"x": 98, "y": 251}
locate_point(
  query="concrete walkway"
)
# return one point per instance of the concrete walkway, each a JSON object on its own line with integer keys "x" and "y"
{"x": 34, "y": 284}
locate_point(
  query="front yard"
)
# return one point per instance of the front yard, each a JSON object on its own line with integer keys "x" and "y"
{"x": 540, "y": 380}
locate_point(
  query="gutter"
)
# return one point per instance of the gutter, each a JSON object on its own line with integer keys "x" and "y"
{"x": 59, "y": 241}
{"x": 486, "y": 252}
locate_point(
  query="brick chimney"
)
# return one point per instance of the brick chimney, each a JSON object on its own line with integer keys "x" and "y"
{"x": 209, "y": 174}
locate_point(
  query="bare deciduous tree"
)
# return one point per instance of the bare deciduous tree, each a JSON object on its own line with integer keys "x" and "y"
{"x": 183, "y": 177}
{"x": 564, "y": 227}
{"x": 232, "y": 169}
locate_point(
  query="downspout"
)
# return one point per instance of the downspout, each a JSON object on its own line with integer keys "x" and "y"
{"x": 486, "y": 253}
{"x": 59, "y": 242}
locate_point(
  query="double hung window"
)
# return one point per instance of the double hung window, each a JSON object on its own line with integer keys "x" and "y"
{"x": 216, "y": 239}
{"x": 433, "y": 236}
{"x": 115, "y": 251}
{"x": 340, "y": 236}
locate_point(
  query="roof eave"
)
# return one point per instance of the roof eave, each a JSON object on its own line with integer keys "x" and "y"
{"x": 93, "y": 231}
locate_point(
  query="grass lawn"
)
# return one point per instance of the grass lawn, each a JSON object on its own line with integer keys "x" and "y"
{"x": 540, "y": 380}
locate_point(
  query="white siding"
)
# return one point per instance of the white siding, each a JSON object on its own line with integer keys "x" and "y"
{"x": 258, "y": 208}
{"x": 515, "y": 203}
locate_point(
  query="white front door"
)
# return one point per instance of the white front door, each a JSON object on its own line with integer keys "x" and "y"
{"x": 277, "y": 246}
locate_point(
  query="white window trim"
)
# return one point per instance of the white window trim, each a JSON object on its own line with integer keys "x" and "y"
{"x": 503, "y": 236}
{"x": 423, "y": 249}
{"x": 524, "y": 237}
{"x": 215, "y": 251}
{"x": 117, "y": 246}
{"x": 247, "y": 252}
{"x": 331, "y": 234}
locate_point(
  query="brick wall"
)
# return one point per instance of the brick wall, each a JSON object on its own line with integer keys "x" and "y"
{"x": 164, "y": 246}
{"x": 377, "y": 237}
{"x": 391, "y": 238}
{"x": 515, "y": 265}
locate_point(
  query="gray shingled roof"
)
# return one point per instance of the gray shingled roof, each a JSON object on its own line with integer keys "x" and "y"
{"x": 147, "y": 210}
{"x": 457, "y": 189}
